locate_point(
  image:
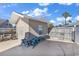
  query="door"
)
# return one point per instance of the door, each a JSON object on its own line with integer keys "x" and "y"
{"x": 77, "y": 34}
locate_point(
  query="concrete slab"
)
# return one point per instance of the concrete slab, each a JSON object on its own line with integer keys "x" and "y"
{"x": 5, "y": 45}
{"x": 46, "y": 48}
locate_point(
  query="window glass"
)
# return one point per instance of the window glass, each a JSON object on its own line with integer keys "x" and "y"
{"x": 40, "y": 29}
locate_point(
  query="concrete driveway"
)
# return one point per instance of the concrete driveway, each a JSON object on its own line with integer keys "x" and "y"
{"x": 5, "y": 45}
{"x": 46, "y": 48}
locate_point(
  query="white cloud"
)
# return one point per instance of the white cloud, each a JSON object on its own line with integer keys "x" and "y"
{"x": 30, "y": 14}
{"x": 8, "y": 5}
{"x": 77, "y": 4}
{"x": 25, "y": 12}
{"x": 65, "y": 3}
{"x": 52, "y": 21}
{"x": 44, "y": 4}
{"x": 56, "y": 11}
{"x": 60, "y": 24}
{"x": 37, "y": 12}
{"x": 69, "y": 18}
{"x": 48, "y": 14}
{"x": 60, "y": 19}
{"x": 77, "y": 18}
{"x": 4, "y": 6}
{"x": 56, "y": 22}
{"x": 14, "y": 4}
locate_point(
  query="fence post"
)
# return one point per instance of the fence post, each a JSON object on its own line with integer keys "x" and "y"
{"x": 74, "y": 33}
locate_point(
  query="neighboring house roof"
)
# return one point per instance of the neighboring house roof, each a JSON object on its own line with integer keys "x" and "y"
{"x": 5, "y": 24}
{"x": 15, "y": 17}
{"x": 1, "y": 21}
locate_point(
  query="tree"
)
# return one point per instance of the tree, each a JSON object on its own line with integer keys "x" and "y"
{"x": 65, "y": 15}
{"x": 50, "y": 26}
{"x": 69, "y": 21}
{"x": 60, "y": 25}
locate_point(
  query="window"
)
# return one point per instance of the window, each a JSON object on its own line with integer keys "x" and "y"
{"x": 40, "y": 29}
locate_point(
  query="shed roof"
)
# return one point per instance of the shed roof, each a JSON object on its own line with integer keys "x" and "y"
{"x": 27, "y": 17}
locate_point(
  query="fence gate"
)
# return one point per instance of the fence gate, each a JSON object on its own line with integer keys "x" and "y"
{"x": 62, "y": 33}
{"x": 77, "y": 34}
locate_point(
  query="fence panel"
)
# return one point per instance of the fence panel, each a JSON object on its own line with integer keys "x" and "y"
{"x": 62, "y": 33}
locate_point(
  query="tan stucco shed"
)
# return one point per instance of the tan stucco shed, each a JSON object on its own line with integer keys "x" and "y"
{"x": 26, "y": 24}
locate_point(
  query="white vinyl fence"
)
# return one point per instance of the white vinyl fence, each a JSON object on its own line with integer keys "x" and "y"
{"x": 62, "y": 33}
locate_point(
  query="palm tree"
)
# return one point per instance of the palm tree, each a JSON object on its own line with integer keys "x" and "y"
{"x": 65, "y": 15}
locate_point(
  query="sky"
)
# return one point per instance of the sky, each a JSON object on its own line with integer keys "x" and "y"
{"x": 50, "y": 11}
